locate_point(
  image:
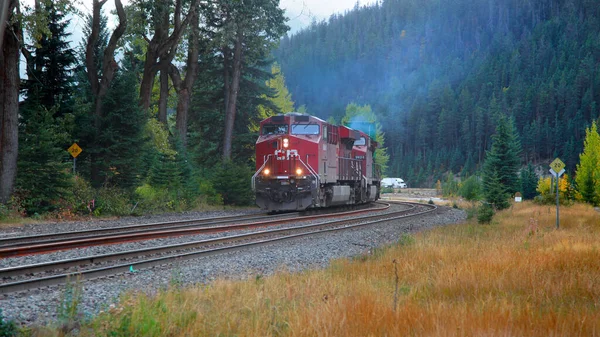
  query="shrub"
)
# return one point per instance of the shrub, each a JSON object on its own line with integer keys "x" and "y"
{"x": 232, "y": 182}
{"x": 450, "y": 187}
{"x": 471, "y": 189}
{"x": 112, "y": 201}
{"x": 387, "y": 190}
{"x": 7, "y": 328}
{"x": 485, "y": 213}
{"x": 80, "y": 198}
{"x": 547, "y": 193}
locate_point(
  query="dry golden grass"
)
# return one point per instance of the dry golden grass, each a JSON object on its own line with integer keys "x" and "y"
{"x": 516, "y": 277}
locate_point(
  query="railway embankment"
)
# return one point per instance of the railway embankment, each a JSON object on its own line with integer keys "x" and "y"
{"x": 40, "y": 306}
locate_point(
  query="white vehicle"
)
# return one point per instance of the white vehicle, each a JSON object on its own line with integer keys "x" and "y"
{"x": 393, "y": 183}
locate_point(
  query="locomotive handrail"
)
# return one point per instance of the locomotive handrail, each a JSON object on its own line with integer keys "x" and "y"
{"x": 259, "y": 171}
{"x": 311, "y": 170}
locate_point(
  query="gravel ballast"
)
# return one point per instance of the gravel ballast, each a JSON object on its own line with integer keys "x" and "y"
{"x": 40, "y": 306}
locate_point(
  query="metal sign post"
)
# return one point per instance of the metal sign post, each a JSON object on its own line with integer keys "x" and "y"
{"x": 557, "y": 168}
{"x": 75, "y": 151}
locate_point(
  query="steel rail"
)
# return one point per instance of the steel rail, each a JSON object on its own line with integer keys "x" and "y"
{"x": 38, "y": 248}
{"x": 127, "y": 267}
{"x": 44, "y": 238}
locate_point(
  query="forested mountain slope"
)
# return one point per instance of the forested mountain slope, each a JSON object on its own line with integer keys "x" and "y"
{"x": 438, "y": 73}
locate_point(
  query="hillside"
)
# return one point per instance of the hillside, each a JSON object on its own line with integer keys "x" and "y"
{"x": 438, "y": 74}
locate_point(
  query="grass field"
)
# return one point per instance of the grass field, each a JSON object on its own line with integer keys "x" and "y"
{"x": 518, "y": 276}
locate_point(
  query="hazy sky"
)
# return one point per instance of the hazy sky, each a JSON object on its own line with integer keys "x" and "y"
{"x": 300, "y": 12}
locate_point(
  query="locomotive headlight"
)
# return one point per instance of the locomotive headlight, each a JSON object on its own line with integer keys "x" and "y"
{"x": 286, "y": 142}
{"x": 299, "y": 172}
{"x": 266, "y": 172}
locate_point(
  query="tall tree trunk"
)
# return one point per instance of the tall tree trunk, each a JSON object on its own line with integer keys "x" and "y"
{"x": 232, "y": 101}
{"x": 184, "y": 88}
{"x": 148, "y": 76}
{"x": 164, "y": 94}
{"x": 162, "y": 47}
{"x": 101, "y": 85}
{"x": 226, "y": 80}
{"x": 9, "y": 105}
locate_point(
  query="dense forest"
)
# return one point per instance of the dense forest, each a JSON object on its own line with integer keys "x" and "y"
{"x": 160, "y": 104}
{"x": 440, "y": 74}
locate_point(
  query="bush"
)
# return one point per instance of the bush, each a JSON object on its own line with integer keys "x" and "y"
{"x": 485, "y": 213}
{"x": 232, "y": 182}
{"x": 7, "y": 328}
{"x": 112, "y": 201}
{"x": 547, "y": 194}
{"x": 80, "y": 198}
{"x": 471, "y": 189}
{"x": 387, "y": 190}
{"x": 450, "y": 187}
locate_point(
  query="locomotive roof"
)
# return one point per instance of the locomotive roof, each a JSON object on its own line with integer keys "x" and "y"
{"x": 289, "y": 114}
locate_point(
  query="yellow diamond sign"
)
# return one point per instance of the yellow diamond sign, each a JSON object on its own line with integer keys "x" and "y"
{"x": 74, "y": 150}
{"x": 557, "y": 165}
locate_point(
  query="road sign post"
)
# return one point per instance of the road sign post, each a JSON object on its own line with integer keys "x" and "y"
{"x": 557, "y": 168}
{"x": 75, "y": 151}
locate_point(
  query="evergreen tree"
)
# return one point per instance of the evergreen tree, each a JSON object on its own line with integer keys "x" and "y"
{"x": 587, "y": 175}
{"x": 501, "y": 165}
{"x": 529, "y": 182}
{"x": 43, "y": 167}
{"x": 362, "y": 118}
{"x": 118, "y": 143}
{"x": 50, "y": 64}
{"x": 280, "y": 101}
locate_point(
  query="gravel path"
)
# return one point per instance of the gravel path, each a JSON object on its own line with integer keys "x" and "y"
{"x": 39, "y": 306}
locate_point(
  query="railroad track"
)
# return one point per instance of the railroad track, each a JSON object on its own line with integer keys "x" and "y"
{"x": 60, "y": 272}
{"x": 46, "y": 243}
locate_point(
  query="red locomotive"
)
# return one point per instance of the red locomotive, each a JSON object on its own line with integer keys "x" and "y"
{"x": 303, "y": 162}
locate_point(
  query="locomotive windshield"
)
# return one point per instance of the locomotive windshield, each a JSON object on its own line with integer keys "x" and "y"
{"x": 361, "y": 141}
{"x": 305, "y": 129}
{"x": 275, "y": 129}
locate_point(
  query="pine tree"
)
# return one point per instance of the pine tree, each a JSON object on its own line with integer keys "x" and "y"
{"x": 500, "y": 179}
{"x": 43, "y": 166}
{"x": 587, "y": 175}
{"x": 362, "y": 118}
{"x": 529, "y": 182}
{"x": 50, "y": 65}
{"x": 280, "y": 101}
{"x": 43, "y": 170}
{"x": 119, "y": 141}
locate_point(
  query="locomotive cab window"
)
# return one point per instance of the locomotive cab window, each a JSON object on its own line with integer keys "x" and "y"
{"x": 274, "y": 129}
{"x": 361, "y": 141}
{"x": 306, "y": 129}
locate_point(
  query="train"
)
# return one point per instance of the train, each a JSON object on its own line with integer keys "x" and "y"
{"x": 304, "y": 162}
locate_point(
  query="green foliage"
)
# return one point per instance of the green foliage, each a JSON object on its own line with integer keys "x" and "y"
{"x": 587, "y": 175}
{"x": 528, "y": 180}
{"x": 387, "y": 190}
{"x": 119, "y": 141}
{"x": 450, "y": 186}
{"x": 501, "y": 164}
{"x": 7, "y": 328}
{"x": 232, "y": 182}
{"x": 470, "y": 189}
{"x": 43, "y": 168}
{"x": 112, "y": 201}
{"x": 547, "y": 191}
{"x": 437, "y": 97}
{"x": 485, "y": 213}
{"x": 69, "y": 312}
{"x": 281, "y": 99}
{"x": 364, "y": 119}
{"x": 406, "y": 240}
